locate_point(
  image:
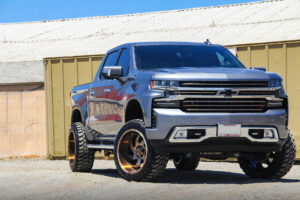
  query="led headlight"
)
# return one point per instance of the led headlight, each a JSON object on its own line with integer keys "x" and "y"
{"x": 275, "y": 83}
{"x": 280, "y": 93}
{"x": 164, "y": 84}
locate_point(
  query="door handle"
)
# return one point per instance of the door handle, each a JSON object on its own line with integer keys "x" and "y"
{"x": 107, "y": 90}
{"x": 92, "y": 94}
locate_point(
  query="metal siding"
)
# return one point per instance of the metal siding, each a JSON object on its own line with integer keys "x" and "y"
{"x": 58, "y": 108}
{"x": 96, "y": 63}
{"x": 259, "y": 56}
{"x": 277, "y": 60}
{"x": 70, "y": 80}
{"x": 49, "y": 106}
{"x": 84, "y": 70}
{"x": 61, "y": 75}
{"x": 293, "y": 86}
{"x": 244, "y": 55}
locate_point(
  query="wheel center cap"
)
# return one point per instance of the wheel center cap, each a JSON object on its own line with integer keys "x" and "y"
{"x": 139, "y": 152}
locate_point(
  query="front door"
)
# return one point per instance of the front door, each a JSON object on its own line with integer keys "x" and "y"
{"x": 115, "y": 95}
{"x": 100, "y": 116}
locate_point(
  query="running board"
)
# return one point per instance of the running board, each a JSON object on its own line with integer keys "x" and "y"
{"x": 101, "y": 146}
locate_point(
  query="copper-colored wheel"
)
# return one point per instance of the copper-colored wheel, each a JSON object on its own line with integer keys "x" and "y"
{"x": 132, "y": 151}
{"x": 71, "y": 148}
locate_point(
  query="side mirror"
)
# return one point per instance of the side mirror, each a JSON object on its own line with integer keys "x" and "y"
{"x": 258, "y": 68}
{"x": 110, "y": 72}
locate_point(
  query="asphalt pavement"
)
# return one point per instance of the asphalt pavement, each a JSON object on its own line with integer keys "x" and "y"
{"x": 46, "y": 179}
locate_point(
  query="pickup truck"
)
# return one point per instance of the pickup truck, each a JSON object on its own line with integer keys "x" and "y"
{"x": 154, "y": 101}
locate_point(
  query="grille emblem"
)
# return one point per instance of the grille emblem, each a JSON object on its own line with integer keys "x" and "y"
{"x": 228, "y": 93}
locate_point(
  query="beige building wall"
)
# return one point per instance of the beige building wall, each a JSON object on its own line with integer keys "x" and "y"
{"x": 22, "y": 122}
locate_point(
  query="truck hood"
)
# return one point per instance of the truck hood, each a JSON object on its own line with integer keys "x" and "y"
{"x": 192, "y": 73}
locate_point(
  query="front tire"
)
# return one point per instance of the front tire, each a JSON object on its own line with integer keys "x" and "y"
{"x": 134, "y": 157}
{"x": 81, "y": 159}
{"x": 275, "y": 166}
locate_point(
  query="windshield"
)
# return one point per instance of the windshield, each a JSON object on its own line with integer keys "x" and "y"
{"x": 175, "y": 56}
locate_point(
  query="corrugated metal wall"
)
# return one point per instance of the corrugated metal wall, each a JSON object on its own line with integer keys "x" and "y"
{"x": 61, "y": 74}
{"x": 23, "y": 124}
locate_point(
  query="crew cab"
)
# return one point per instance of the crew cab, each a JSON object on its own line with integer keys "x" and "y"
{"x": 155, "y": 101}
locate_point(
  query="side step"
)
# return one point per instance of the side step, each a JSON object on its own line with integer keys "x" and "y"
{"x": 101, "y": 146}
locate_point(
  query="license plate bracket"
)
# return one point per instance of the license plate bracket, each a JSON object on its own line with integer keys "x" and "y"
{"x": 229, "y": 130}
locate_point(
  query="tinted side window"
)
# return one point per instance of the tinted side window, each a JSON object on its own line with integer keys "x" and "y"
{"x": 111, "y": 60}
{"x": 124, "y": 61}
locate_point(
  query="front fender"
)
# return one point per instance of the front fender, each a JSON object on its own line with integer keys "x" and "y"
{"x": 144, "y": 95}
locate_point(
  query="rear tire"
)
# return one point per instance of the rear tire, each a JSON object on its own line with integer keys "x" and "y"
{"x": 134, "y": 157}
{"x": 276, "y": 166}
{"x": 81, "y": 159}
{"x": 182, "y": 163}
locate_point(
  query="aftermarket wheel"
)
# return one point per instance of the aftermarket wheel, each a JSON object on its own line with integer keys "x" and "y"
{"x": 81, "y": 159}
{"x": 184, "y": 163}
{"x": 134, "y": 157}
{"x": 276, "y": 165}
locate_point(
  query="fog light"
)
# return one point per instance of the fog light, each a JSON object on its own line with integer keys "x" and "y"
{"x": 268, "y": 133}
{"x": 256, "y": 133}
{"x": 181, "y": 134}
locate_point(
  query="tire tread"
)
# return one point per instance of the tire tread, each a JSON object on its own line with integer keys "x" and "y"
{"x": 84, "y": 158}
{"x": 283, "y": 165}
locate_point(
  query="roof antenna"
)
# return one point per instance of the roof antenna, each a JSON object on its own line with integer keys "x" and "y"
{"x": 207, "y": 42}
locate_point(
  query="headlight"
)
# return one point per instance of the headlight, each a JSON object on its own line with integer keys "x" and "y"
{"x": 275, "y": 103}
{"x": 275, "y": 83}
{"x": 166, "y": 104}
{"x": 280, "y": 93}
{"x": 164, "y": 84}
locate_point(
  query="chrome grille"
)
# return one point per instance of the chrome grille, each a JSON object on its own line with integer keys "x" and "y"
{"x": 223, "y": 84}
{"x": 193, "y": 92}
{"x": 256, "y": 93}
{"x": 223, "y": 105}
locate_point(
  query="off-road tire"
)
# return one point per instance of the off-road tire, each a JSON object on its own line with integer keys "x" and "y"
{"x": 83, "y": 157}
{"x": 183, "y": 163}
{"x": 281, "y": 165}
{"x": 155, "y": 163}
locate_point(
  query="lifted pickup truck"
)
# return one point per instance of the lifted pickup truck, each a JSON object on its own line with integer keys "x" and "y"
{"x": 151, "y": 102}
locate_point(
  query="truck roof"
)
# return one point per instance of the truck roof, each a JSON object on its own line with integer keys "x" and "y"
{"x": 167, "y": 43}
{"x": 161, "y": 43}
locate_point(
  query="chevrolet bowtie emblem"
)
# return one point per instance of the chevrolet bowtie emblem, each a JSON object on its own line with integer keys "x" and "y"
{"x": 228, "y": 93}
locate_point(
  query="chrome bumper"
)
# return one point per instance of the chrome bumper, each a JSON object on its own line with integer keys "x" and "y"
{"x": 211, "y": 132}
{"x": 168, "y": 119}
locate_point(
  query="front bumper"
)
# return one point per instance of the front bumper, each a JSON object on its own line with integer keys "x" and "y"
{"x": 169, "y": 119}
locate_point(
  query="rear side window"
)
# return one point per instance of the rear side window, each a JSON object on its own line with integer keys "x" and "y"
{"x": 111, "y": 60}
{"x": 124, "y": 61}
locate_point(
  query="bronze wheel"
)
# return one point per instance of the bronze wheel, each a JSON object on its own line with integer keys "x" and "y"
{"x": 71, "y": 148}
{"x": 132, "y": 151}
{"x": 134, "y": 157}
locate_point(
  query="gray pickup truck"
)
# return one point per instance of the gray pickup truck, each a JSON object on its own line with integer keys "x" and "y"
{"x": 151, "y": 102}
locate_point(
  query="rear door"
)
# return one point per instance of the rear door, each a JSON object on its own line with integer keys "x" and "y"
{"x": 100, "y": 112}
